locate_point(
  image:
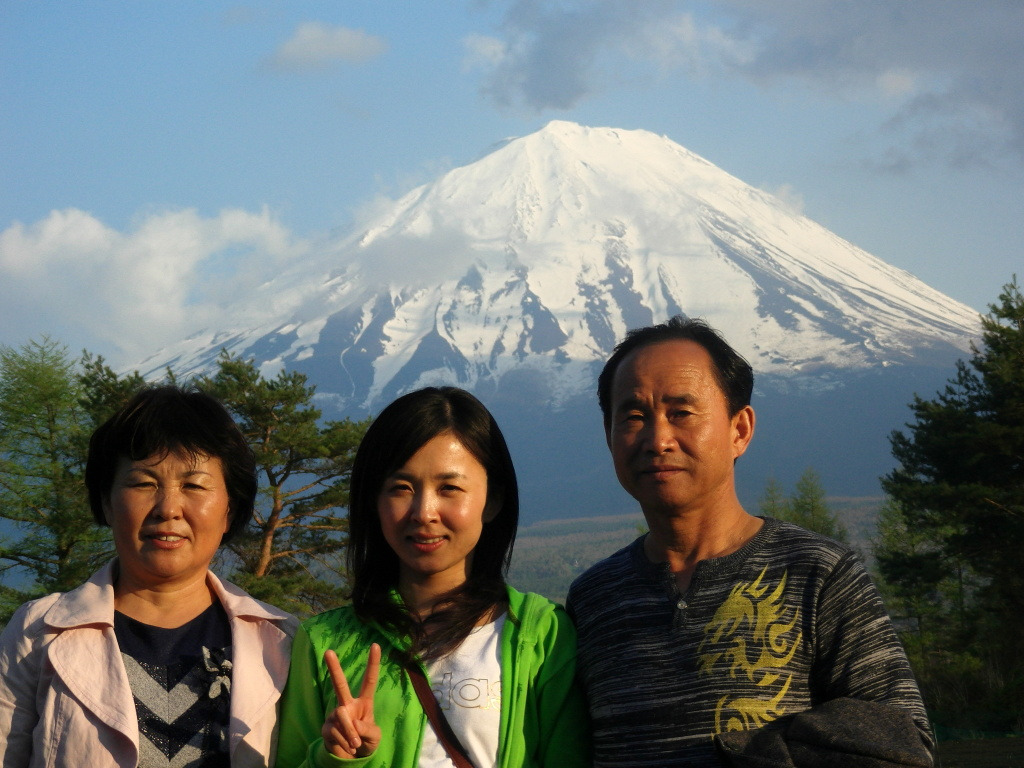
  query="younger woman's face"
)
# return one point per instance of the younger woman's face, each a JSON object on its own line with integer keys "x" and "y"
{"x": 432, "y": 513}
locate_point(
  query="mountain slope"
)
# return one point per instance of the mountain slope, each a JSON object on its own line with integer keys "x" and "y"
{"x": 539, "y": 256}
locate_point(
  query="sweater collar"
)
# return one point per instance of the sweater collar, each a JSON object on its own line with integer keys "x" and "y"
{"x": 660, "y": 573}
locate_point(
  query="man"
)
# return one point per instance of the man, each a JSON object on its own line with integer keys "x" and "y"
{"x": 716, "y": 623}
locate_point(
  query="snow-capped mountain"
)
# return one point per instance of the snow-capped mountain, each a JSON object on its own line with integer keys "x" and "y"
{"x": 540, "y": 255}
{"x": 515, "y": 275}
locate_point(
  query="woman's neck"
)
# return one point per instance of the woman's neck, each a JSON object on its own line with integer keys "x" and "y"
{"x": 422, "y": 593}
{"x": 171, "y": 607}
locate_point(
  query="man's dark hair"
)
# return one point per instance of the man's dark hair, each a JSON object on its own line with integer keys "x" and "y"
{"x": 168, "y": 419}
{"x": 734, "y": 375}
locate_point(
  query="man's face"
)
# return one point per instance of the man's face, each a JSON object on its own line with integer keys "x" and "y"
{"x": 671, "y": 437}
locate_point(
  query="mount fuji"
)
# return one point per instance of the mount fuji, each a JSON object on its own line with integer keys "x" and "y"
{"x": 515, "y": 275}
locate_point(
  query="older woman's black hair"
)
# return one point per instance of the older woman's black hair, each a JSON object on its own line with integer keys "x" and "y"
{"x": 168, "y": 419}
{"x": 400, "y": 430}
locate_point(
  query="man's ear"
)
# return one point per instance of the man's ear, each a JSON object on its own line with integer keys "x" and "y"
{"x": 742, "y": 425}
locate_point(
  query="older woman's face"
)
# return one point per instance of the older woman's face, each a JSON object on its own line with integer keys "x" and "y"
{"x": 168, "y": 514}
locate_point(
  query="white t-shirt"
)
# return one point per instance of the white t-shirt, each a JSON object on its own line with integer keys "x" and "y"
{"x": 467, "y": 685}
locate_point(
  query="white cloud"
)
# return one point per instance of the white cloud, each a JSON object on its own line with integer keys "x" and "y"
{"x": 126, "y": 294}
{"x": 315, "y": 45}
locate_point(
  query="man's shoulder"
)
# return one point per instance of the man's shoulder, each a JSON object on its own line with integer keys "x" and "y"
{"x": 791, "y": 540}
{"x": 614, "y": 568}
{"x": 808, "y": 558}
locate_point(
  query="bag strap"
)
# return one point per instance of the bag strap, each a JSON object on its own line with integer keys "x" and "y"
{"x": 441, "y": 727}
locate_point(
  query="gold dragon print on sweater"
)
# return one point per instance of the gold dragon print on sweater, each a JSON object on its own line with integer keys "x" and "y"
{"x": 753, "y": 634}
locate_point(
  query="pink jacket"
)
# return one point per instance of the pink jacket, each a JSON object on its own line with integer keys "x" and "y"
{"x": 64, "y": 693}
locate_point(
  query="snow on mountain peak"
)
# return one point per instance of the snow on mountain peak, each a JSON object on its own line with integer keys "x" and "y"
{"x": 541, "y": 254}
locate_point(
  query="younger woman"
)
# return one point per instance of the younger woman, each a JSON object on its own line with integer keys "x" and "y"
{"x": 432, "y": 517}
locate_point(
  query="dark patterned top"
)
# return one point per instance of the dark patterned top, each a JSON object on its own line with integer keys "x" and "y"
{"x": 790, "y": 620}
{"x": 181, "y": 681}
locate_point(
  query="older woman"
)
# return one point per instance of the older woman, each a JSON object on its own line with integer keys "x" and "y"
{"x": 153, "y": 661}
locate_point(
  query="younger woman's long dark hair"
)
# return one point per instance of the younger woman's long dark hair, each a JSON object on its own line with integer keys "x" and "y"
{"x": 400, "y": 430}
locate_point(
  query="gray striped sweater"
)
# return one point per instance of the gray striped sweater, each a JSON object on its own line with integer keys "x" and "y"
{"x": 790, "y": 620}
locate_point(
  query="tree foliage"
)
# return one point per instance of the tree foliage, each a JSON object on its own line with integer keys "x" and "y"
{"x": 103, "y": 390}
{"x": 773, "y": 502}
{"x": 49, "y": 541}
{"x": 957, "y": 521}
{"x": 806, "y": 507}
{"x": 293, "y": 553}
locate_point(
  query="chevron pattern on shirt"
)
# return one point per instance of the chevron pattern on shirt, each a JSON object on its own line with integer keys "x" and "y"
{"x": 182, "y": 710}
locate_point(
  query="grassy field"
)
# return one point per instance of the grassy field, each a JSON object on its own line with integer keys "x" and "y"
{"x": 550, "y": 554}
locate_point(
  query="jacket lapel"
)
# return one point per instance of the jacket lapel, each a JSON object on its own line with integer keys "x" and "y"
{"x": 259, "y": 654}
{"x": 85, "y": 656}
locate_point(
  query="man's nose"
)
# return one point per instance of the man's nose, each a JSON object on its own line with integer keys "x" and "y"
{"x": 659, "y": 437}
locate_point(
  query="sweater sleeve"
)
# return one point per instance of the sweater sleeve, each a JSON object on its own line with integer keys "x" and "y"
{"x": 859, "y": 654}
{"x": 20, "y": 659}
{"x": 303, "y": 712}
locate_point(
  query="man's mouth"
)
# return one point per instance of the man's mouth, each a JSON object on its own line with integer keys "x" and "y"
{"x": 660, "y": 471}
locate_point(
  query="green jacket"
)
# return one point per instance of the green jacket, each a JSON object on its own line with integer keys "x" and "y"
{"x": 543, "y": 714}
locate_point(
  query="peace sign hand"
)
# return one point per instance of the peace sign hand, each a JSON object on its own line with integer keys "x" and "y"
{"x": 350, "y": 730}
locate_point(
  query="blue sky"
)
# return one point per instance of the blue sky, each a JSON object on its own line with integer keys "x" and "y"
{"x": 156, "y": 158}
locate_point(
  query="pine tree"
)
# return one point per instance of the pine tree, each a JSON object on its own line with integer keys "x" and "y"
{"x": 293, "y": 554}
{"x": 103, "y": 391}
{"x": 50, "y": 542}
{"x": 959, "y": 487}
{"x": 773, "y": 501}
{"x": 807, "y": 506}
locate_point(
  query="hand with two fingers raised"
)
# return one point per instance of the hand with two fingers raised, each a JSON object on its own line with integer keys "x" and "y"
{"x": 350, "y": 730}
